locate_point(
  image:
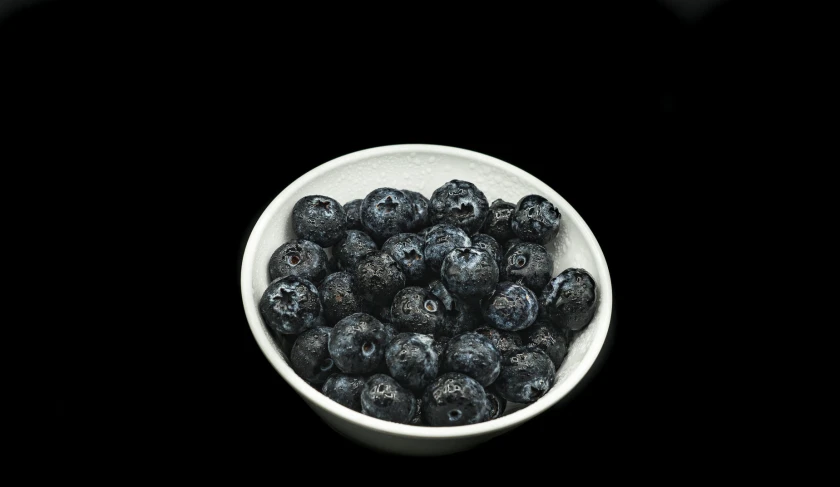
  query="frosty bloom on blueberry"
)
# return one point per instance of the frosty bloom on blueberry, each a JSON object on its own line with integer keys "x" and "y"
{"x": 319, "y": 219}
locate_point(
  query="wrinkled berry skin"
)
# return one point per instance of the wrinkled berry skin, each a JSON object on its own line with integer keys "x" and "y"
{"x": 319, "y": 219}
{"x": 525, "y": 377}
{"x": 351, "y": 249}
{"x": 384, "y": 398}
{"x": 459, "y": 203}
{"x": 412, "y": 360}
{"x": 497, "y": 404}
{"x": 463, "y": 317}
{"x": 420, "y": 204}
{"x": 407, "y": 250}
{"x": 497, "y": 224}
{"x": 290, "y": 305}
{"x": 300, "y": 258}
{"x": 544, "y": 336}
{"x": 535, "y": 220}
{"x": 440, "y": 240}
{"x": 511, "y": 307}
{"x": 351, "y": 209}
{"x": 470, "y": 273}
{"x": 378, "y": 278}
{"x": 488, "y": 244}
{"x": 474, "y": 355}
{"x": 506, "y": 342}
{"x": 527, "y": 263}
{"x": 568, "y": 300}
{"x": 416, "y": 310}
{"x": 455, "y": 399}
{"x": 345, "y": 390}
{"x": 337, "y": 297}
{"x": 357, "y": 344}
{"x": 386, "y": 212}
{"x": 310, "y": 357}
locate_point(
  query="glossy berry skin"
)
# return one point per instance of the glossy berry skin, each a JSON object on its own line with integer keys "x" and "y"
{"x": 488, "y": 244}
{"x": 440, "y": 240}
{"x": 469, "y": 273}
{"x": 338, "y": 299}
{"x": 497, "y": 224}
{"x": 525, "y": 377}
{"x": 506, "y": 342}
{"x": 544, "y": 336}
{"x": 497, "y": 404}
{"x": 474, "y": 355}
{"x": 407, "y": 250}
{"x": 412, "y": 360}
{"x": 511, "y": 307}
{"x": 290, "y": 305}
{"x": 352, "y": 209}
{"x": 384, "y": 398}
{"x": 459, "y": 203}
{"x": 386, "y": 212}
{"x": 420, "y": 205}
{"x": 455, "y": 399}
{"x": 378, "y": 278}
{"x": 415, "y": 310}
{"x": 310, "y": 358}
{"x": 357, "y": 344}
{"x": 300, "y": 258}
{"x": 535, "y": 220}
{"x": 345, "y": 390}
{"x": 319, "y": 219}
{"x": 351, "y": 249}
{"x": 568, "y": 300}
{"x": 529, "y": 264}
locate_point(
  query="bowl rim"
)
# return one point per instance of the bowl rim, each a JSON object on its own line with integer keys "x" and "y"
{"x": 314, "y": 396}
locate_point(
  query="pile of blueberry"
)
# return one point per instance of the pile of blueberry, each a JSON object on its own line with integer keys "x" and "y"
{"x": 431, "y": 312}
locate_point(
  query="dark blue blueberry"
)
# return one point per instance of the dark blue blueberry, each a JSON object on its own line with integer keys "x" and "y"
{"x": 497, "y": 404}
{"x": 357, "y": 344}
{"x": 568, "y": 300}
{"x": 354, "y": 220}
{"x": 420, "y": 204}
{"x": 384, "y": 398}
{"x": 525, "y": 377}
{"x": 535, "y": 220}
{"x": 455, "y": 399}
{"x": 440, "y": 240}
{"x": 412, "y": 360}
{"x": 440, "y": 345}
{"x": 437, "y": 288}
{"x": 350, "y": 250}
{"x": 488, "y": 244}
{"x": 506, "y": 342}
{"x": 378, "y": 278}
{"x": 528, "y": 264}
{"x": 544, "y": 336}
{"x": 345, "y": 390}
{"x": 380, "y": 312}
{"x": 300, "y": 258}
{"x": 459, "y": 203}
{"x": 290, "y": 305}
{"x": 469, "y": 273}
{"x": 417, "y": 420}
{"x": 310, "y": 357}
{"x": 416, "y": 310}
{"x": 474, "y": 355}
{"x": 337, "y": 297}
{"x": 319, "y": 219}
{"x": 407, "y": 250}
{"x": 463, "y": 317}
{"x": 509, "y": 245}
{"x": 386, "y": 212}
{"x": 497, "y": 224}
{"x": 511, "y": 307}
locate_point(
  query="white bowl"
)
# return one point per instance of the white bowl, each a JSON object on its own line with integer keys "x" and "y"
{"x": 424, "y": 168}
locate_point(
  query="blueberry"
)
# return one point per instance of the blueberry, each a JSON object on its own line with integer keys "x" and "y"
{"x": 420, "y": 205}
{"x": 345, "y": 390}
{"x": 469, "y": 272}
{"x": 357, "y": 344}
{"x": 568, "y": 300}
{"x": 384, "y": 398}
{"x": 391, "y": 332}
{"x": 300, "y": 258}
{"x": 488, "y": 244}
{"x": 497, "y": 224}
{"x": 535, "y": 219}
{"x": 440, "y": 240}
{"x": 378, "y": 311}
{"x": 350, "y": 250}
{"x": 459, "y": 203}
{"x": 417, "y": 419}
{"x": 337, "y": 297}
{"x": 506, "y": 342}
{"x": 416, "y": 310}
{"x": 463, "y": 317}
{"x": 407, "y": 250}
{"x": 412, "y": 360}
{"x": 319, "y": 219}
{"x": 386, "y": 212}
{"x": 351, "y": 209}
{"x": 497, "y": 404}
{"x": 290, "y": 305}
{"x": 543, "y": 336}
{"x": 525, "y": 376}
{"x": 437, "y": 288}
{"x": 310, "y": 358}
{"x": 474, "y": 355}
{"x": 378, "y": 278}
{"x": 509, "y": 245}
{"x": 529, "y": 264}
{"x": 455, "y": 399}
{"x": 440, "y": 345}
{"x": 511, "y": 307}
